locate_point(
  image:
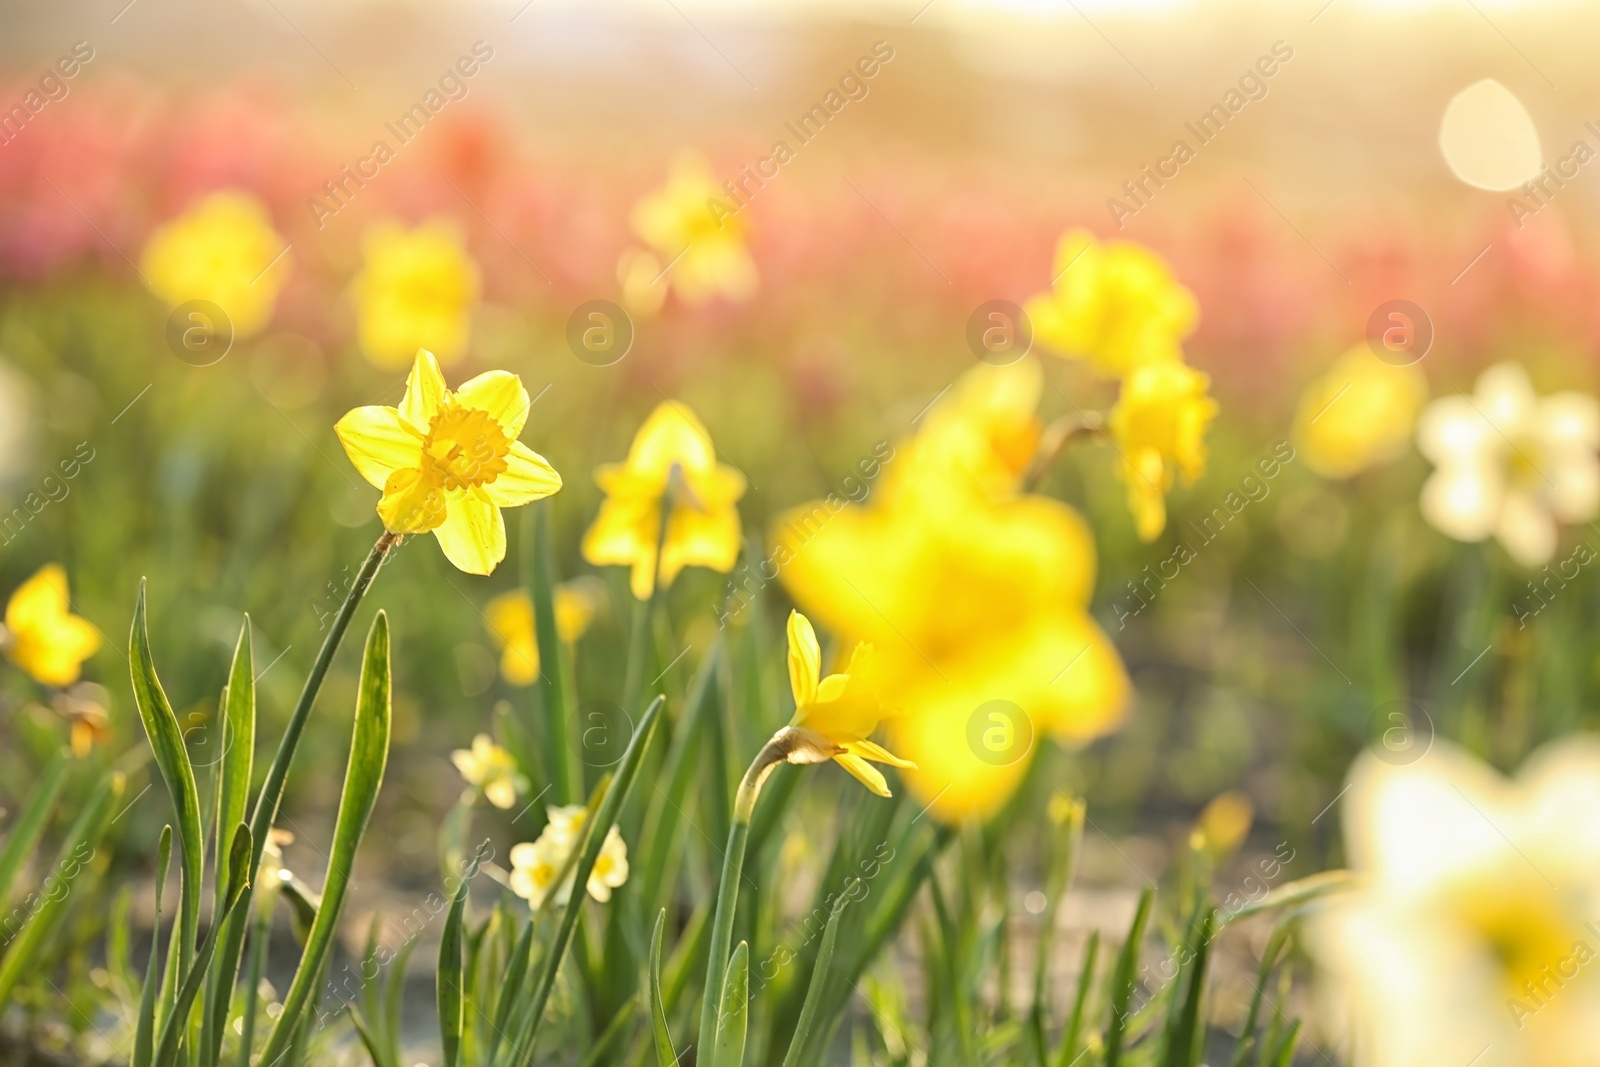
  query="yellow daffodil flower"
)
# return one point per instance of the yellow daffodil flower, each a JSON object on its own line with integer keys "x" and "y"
{"x": 220, "y": 250}
{"x": 1159, "y": 426}
{"x": 1359, "y": 414}
{"x": 1114, "y": 304}
{"x": 490, "y": 768}
{"x": 416, "y": 290}
{"x": 510, "y": 621}
{"x": 983, "y": 434}
{"x": 536, "y": 865}
{"x": 1225, "y": 823}
{"x": 695, "y": 235}
{"x": 42, "y": 636}
{"x": 449, "y": 461}
{"x": 834, "y": 716}
{"x": 671, "y": 465}
{"x": 966, "y": 601}
{"x": 84, "y": 707}
{"x": 1472, "y": 932}
{"x": 1511, "y": 463}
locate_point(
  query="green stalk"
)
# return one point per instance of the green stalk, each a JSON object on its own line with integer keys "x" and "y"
{"x": 744, "y": 805}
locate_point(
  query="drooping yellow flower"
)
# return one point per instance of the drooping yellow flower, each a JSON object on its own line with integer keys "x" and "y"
{"x": 42, "y": 636}
{"x": 448, "y": 462}
{"x": 1472, "y": 931}
{"x": 220, "y": 250}
{"x": 966, "y": 601}
{"x": 536, "y": 865}
{"x": 1225, "y": 823}
{"x": 696, "y": 237}
{"x": 1360, "y": 413}
{"x": 835, "y": 716}
{"x": 490, "y": 768}
{"x": 416, "y": 290}
{"x": 1511, "y": 463}
{"x": 1114, "y": 304}
{"x": 510, "y": 621}
{"x": 672, "y": 466}
{"x": 1159, "y": 426}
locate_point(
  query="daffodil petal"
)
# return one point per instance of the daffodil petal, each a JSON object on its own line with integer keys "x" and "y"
{"x": 473, "y": 534}
{"x": 40, "y": 600}
{"x": 425, "y": 391}
{"x": 411, "y": 503}
{"x": 502, "y": 395}
{"x": 872, "y": 751}
{"x": 379, "y": 442}
{"x": 865, "y": 773}
{"x": 528, "y": 477}
{"x": 805, "y": 660}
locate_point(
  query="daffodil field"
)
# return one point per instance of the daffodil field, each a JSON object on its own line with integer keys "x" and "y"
{"x": 969, "y": 536}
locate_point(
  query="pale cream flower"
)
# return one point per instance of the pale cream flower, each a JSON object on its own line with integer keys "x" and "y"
{"x": 1474, "y": 932}
{"x": 1510, "y": 463}
{"x": 536, "y": 865}
{"x": 490, "y": 768}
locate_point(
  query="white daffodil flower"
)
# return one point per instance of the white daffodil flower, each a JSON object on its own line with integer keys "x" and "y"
{"x": 1511, "y": 463}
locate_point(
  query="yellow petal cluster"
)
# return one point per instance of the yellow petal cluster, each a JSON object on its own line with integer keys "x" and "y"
{"x": 969, "y": 591}
{"x": 693, "y": 237}
{"x": 1472, "y": 931}
{"x": 491, "y": 768}
{"x": 42, "y": 635}
{"x": 509, "y": 619}
{"x": 447, "y": 462}
{"x": 220, "y": 250}
{"x": 1115, "y": 305}
{"x": 834, "y": 717}
{"x": 1159, "y": 427}
{"x": 1359, "y": 414}
{"x": 536, "y": 865}
{"x": 671, "y": 471}
{"x": 416, "y": 290}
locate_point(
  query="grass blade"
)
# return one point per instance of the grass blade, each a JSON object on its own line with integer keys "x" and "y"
{"x": 144, "y": 1033}
{"x": 24, "y": 836}
{"x": 733, "y": 1021}
{"x": 1122, "y": 979}
{"x": 448, "y": 988}
{"x": 369, "y": 754}
{"x": 555, "y": 680}
{"x": 1269, "y": 959}
{"x": 666, "y": 1055}
{"x": 230, "y": 800}
{"x": 819, "y": 980}
{"x": 166, "y": 739}
{"x": 1185, "y": 1029}
{"x": 1070, "y": 1037}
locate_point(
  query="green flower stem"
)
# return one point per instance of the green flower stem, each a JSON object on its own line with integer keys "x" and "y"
{"x": 744, "y": 805}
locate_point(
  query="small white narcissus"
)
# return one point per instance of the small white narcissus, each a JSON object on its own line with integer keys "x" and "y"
{"x": 490, "y": 768}
{"x": 536, "y": 865}
{"x": 1473, "y": 930}
{"x": 1511, "y": 463}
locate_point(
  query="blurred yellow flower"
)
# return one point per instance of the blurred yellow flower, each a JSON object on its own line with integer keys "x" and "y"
{"x": 982, "y": 434}
{"x": 1471, "y": 935}
{"x": 535, "y": 866}
{"x": 695, "y": 237}
{"x": 416, "y": 290}
{"x": 42, "y": 636}
{"x": 448, "y": 462}
{"x": 490, "y": 768}
{"x": 1114, "y": 304}
{"x": 510, "y": 621}
{"x": 966, "y": 601}
{"x": 219, "y": 250}
{"x": 834, "y": 716}
{"x": 1159, "y": 426}
{"x": 1360, "y": 413}
{"x": 672, "y": 466}
{"x": 1510, "y": 463}
{"x": 1225, "y": 823}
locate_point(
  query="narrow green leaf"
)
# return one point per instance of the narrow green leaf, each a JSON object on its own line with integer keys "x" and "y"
{"x": 1285, "y": 1052}
{"x": 452, "y": 1002}
{"x": 1269, "y": 958}
{"x": 24, "y": 836}
{"x": 666, "y": 1055}
{"x": 1185, "y": 1029}
{"x": 516, "y": 974}
{"x": 664, "y": 821}
{"x": 144, "y": 1033}
{"x": 1295, "y": 893}
{"x": 166, "y": 739}
{"x": 1122, "y": 979}
{"x": 1071, "y": 1036}
{"x": 555, "y": 680}
{"x": 369, "y": 754}
{"x": 77, "y": 852}
{"x": 229, "y": 803}
{"x": 369, "y": 1040}
{"x": 260, "y": 941}
{"x": 733, "y": 1021}
{"x": 819, "y": 977}
{"x": 176, "y": 1027}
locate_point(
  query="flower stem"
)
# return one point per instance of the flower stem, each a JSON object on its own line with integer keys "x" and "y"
{"x": 1053, "y": 444}
{"x": 744, "y": 805}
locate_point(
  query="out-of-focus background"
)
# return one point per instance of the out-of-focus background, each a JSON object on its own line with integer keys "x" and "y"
{"x": 986, "y": 132}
